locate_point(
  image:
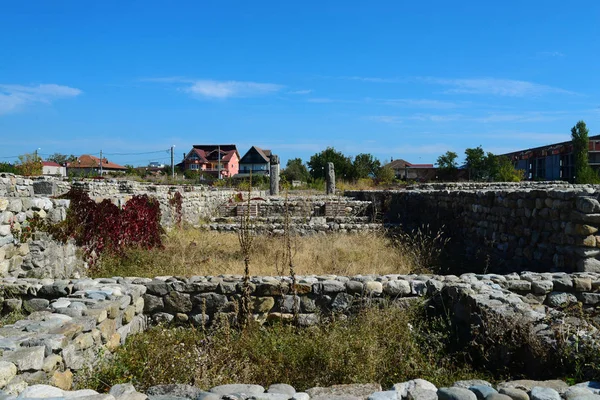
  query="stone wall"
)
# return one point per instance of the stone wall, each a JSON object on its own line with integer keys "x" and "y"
{"x": 39, "y": 255}
{"x": 542, "y": 227}
{"x": 204, "y": 298}
{"x": 70, "y": 324}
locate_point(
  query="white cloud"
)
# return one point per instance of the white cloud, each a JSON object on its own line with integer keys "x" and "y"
{"x": 307, "y": 91}
{"x": 550, "y": 54}
{"x": 227, "y": 89}
{"x": 420, "y": 103}
{"x": 14, "y": 97}
{"x": 493, "y": 86}
{"x": 321, "y": 100}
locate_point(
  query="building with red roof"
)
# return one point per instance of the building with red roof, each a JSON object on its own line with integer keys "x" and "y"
{"x": 213, "y": 159}
{"x": 409, "y": 171}
{"x": 53, "y": 168}
{"x": 92, "y": 165}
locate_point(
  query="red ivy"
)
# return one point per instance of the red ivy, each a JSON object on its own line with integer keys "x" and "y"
{"x": 98, "y": 227}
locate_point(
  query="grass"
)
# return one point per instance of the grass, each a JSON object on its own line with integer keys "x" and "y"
{"x": 191, "y": 251}
{"x": 387, "y": 346}
{"x": 11, "y": 318}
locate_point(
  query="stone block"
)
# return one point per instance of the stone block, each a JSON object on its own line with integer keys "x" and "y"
{"x": 26, "y": 359}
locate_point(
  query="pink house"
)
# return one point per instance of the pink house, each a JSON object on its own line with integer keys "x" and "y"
{"x": 213, "y": 158}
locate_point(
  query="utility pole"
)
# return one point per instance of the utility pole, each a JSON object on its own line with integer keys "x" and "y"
{"x": 219, "y": 165}
{"x": 173, "y": 162}
{"x": 100, "y": 162}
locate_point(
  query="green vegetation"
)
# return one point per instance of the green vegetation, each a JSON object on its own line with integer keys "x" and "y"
{"x": 29, "y": 164}
{"x": 583, "y": 172}
{"x": 387, "y": 345}
{"x": 295, "y": 170}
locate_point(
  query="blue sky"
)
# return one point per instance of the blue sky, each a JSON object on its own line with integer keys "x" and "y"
{"x": 394, "y": 78}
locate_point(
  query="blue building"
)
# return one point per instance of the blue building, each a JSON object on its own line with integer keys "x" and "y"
{"x": 553, "y": 162}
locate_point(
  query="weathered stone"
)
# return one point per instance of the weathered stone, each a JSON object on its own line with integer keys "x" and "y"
{"x": 52, "y": 363}
{"x": 177, "y": 390}
{"x": 62, "y": 380}
{"x": 26, "y": 359}
{"x": 560, "y": 299}
{"x": 373, "y": 288}
{"x": 386, "y": 395}
{"x": 41, "y": 392}
{"x": 8, "y": 370}
{"x": 544, "y": 393}
{"x": 176, "y": 302}
{"x": 513, "y": 393}
{"x": 282, "y": 388}
{"x": 330, "y": 179}
{"x": 355, "y": 390}
{"x": 541, "y": 287}
{"x": 455, "y": 393}
{"x": 262, "y": 305}
{"x": 212, "y": 301}
{"x": 249, "y": 390}
{"x": 482, "y": 391}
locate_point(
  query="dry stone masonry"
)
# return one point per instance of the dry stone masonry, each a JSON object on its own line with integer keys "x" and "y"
{"x": 69, "y": 322}
{"x": 416, "y": 389}
{"x": 539, "y": 226}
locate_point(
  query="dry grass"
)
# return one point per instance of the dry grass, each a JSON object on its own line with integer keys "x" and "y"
{"x": 190, "y": 251}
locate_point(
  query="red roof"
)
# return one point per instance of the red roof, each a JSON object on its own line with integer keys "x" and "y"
{"x": 87, "y": 161}
{"x": 50, "y": 164}
{"x": 400, "y": 163}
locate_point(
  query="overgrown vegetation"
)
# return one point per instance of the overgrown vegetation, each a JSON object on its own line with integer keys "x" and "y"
{"x": 189, "y": 251}
{"x": 104, "y": 227}
{"x": 387, "y": 345}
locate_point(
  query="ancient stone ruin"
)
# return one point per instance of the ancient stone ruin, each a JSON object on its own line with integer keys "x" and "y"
{"x": 550, "y": 229}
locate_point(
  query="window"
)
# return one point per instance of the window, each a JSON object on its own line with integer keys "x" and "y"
{"x": 194, "y": 166}
{"x": 540, "y": 168}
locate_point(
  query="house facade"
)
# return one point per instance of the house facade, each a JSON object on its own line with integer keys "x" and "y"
{"x": 213, "y": 160}
{"x": 554, "y": 161}
{"x": 257, "y": 161}
{"x": 53, "y": 168}
{"x": 92, "y": 165}
{"x": 409, "y": 171}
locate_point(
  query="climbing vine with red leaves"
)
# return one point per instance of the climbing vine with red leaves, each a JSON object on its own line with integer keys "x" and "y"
{"x": 176, "y": 202}
{"x": 100, "y": 227}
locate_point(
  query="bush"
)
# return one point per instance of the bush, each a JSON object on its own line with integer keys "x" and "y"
{"x": 100, "y": 227}
{"x": 387, "y": 346}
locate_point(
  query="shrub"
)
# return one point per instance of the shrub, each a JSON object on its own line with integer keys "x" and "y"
{"x": 387, "y": 345}
{"x": 99, "y": 227}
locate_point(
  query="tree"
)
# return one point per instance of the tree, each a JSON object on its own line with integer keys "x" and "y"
{"x": 447, "y": 165}
{"x": 318, "y": 164}
{"x": 447, "y": 161}
{"x": 507, "y": 172}
{"x": 580, "y": 139}
{"x": 61, "y": 159}
{"x": 29, "y": 164}
{"x": 365, "y": 166}
{"x": 385, "y": 175}
{"x": 475, "y": 161}
{"x": 8, "y": 167}
{"x": 481, "y": 166}
{"x": 295, "y": 170}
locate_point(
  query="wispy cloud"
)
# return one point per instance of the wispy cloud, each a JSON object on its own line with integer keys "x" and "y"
{"x": 420, "y": 103}
{"x": 306, "y": 91}
{"x": 226, "y": 89}
{"x": 373, "y": 79}
{"x": 14, "y": 97}
{"x": 322, "y": 100}
{"x": 533, "y": 116}
{"x": 392, "y": 119}
{"x": 550, "y": 54}
{"x": 212, "y": 89}
{"x": 493, "y": 86}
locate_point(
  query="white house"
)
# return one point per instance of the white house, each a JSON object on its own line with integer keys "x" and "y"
{"x": 52, "y": 168}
